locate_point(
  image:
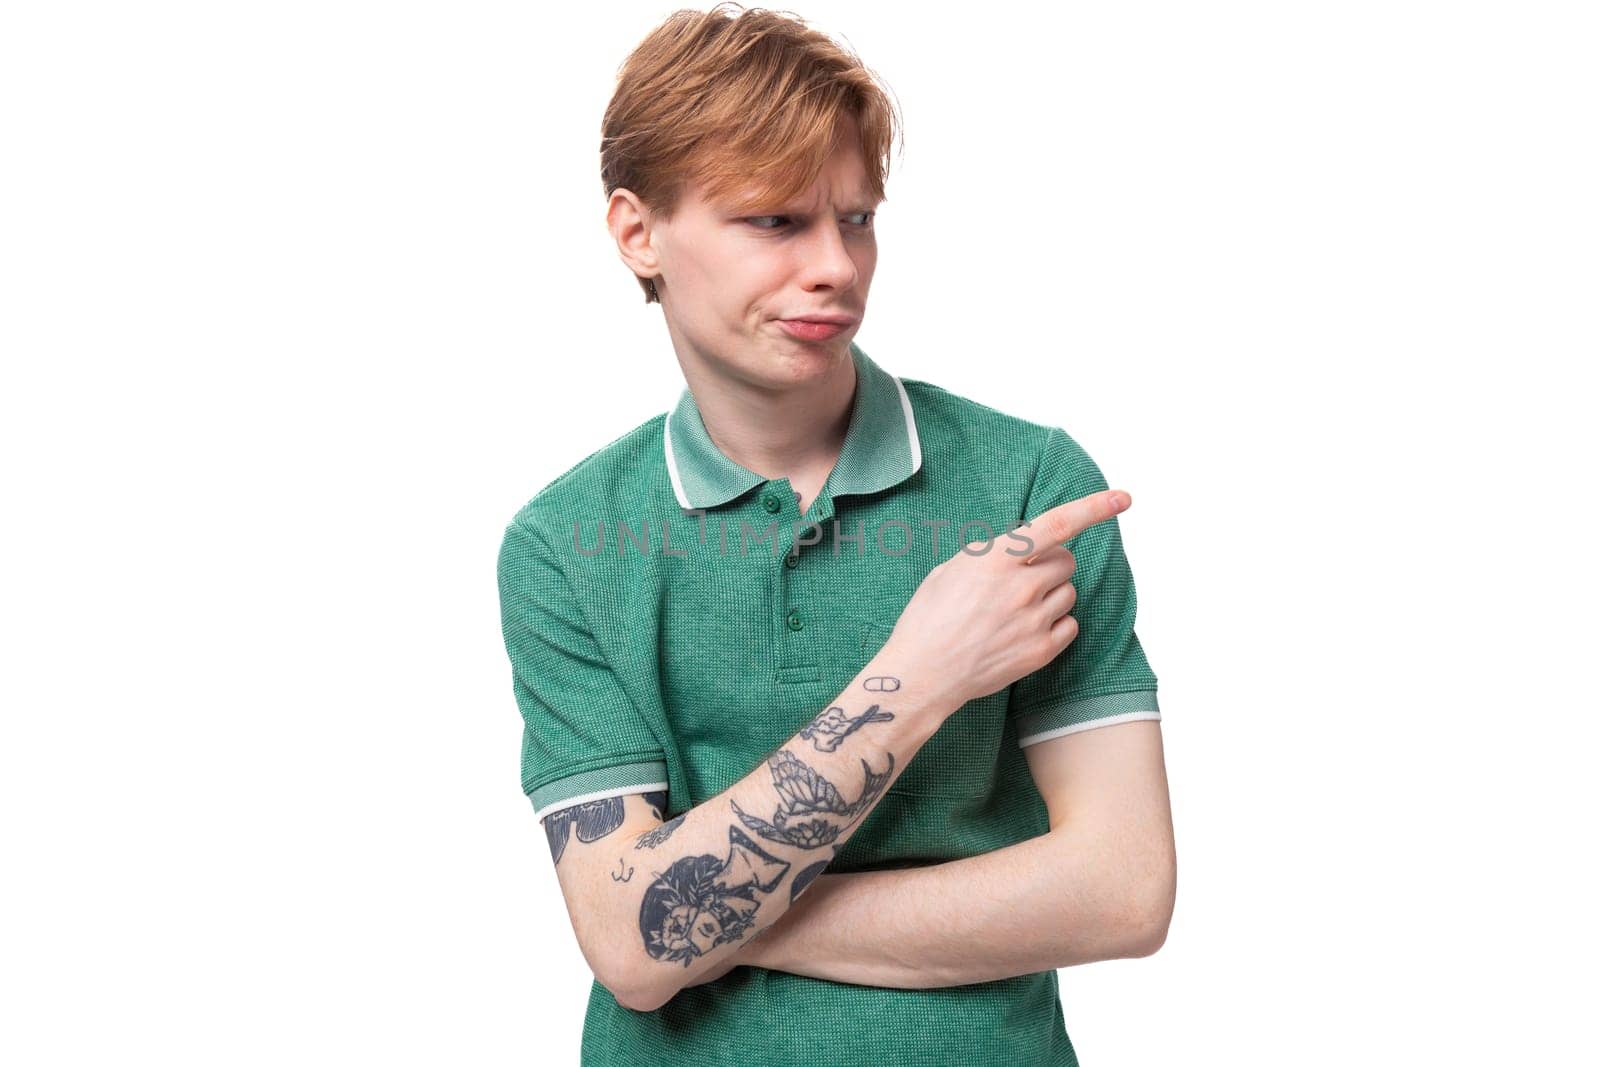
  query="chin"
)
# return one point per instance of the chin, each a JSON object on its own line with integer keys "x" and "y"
{"x": 814, "y": 358}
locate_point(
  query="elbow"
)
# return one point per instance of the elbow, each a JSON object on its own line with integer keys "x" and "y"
{"x": 634, "y": 979}
{"x": 1149, "y": 933}
{"x": 1148, "y": 937}
{"x": 642, "y": 1000}
{"x": 635, "y": 994}
{"x": 625, "y": 972}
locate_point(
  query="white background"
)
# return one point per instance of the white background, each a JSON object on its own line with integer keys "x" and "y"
{"x": 301, "y": 301}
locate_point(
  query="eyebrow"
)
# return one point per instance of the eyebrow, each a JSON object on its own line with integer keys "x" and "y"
{"x": 861, "y": 202}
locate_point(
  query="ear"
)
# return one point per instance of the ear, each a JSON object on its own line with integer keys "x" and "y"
{"x": 630, "y": 224}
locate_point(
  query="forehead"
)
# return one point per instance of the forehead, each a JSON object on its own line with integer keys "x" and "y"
{"x": 825, "y": 190}
{"x": 842, "y": 181}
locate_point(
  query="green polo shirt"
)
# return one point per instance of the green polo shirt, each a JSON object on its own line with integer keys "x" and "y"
{"x": 671, "y": 618}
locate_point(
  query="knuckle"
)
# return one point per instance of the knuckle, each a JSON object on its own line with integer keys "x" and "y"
{"x": 1043, "y": 649}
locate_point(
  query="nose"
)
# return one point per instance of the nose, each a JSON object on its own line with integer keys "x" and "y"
{"x": 826, "y": 258}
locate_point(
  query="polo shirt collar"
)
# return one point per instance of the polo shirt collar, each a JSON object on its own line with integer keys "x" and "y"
{"x": 881, "y": 447}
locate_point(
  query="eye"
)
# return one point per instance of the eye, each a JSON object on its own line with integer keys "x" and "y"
{"x": 758, "y": 220}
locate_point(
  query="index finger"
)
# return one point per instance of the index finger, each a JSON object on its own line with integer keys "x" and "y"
{"x": 1066, "y": 521}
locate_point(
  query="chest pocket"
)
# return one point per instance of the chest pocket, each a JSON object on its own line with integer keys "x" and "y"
{"x": 961, "y": 760}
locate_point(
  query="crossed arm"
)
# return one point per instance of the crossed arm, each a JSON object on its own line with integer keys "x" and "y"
{"x": 1099, "y": 885}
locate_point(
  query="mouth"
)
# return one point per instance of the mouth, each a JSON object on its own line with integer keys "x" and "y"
{"x": 815, "y": 329}
{"x": 829, "y": 320}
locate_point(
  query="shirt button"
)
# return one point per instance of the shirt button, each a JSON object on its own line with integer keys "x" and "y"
{"x": 771, "y": 503}
{"x": 794, "y": 620}
{"x": 791, "y": 561}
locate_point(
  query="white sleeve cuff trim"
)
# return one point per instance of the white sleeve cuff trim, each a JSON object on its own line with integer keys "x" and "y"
{"x": 616, "y": 791}
{"x": 1062, "y": 731}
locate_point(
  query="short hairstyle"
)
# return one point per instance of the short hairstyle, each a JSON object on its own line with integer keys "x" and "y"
{"x": 750, "y": 102}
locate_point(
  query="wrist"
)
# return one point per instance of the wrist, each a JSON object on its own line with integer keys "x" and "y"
{"x": 762, "y": 950}
{"x": 915, "y": 681}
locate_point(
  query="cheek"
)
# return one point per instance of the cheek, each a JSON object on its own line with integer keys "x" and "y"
{"x": 738, "y": 275}
{"x": 867, "y": 262}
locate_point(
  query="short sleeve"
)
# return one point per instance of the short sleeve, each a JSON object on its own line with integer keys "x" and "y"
{"x": 583, "y": 738}
{"x": 1102, "y": 677}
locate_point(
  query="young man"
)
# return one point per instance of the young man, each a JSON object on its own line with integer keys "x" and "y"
{"x": 839, "y": 751}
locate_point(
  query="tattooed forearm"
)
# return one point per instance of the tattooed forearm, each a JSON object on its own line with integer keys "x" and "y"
{"x": 811, "y": 811}
{"x": 806, "y": 877}
{"x": 833, "y": 726}
{"x": 807, "y": 796}
{"x": 654, "y": 837}
{"x": 591, "y": 821}
{"x": 703, "y": 901}
{"x": 657, "y": 800}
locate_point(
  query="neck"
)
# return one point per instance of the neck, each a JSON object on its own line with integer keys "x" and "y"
{"x": 792, "y": 433}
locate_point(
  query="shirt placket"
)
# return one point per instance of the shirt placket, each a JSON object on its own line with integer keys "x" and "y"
{"x": 800, "y": 630}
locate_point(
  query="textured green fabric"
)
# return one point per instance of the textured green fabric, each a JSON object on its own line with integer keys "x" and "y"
{"x": 661, "y": 658}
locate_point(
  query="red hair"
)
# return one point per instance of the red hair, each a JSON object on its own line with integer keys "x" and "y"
{"x": 747, "y": 104}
